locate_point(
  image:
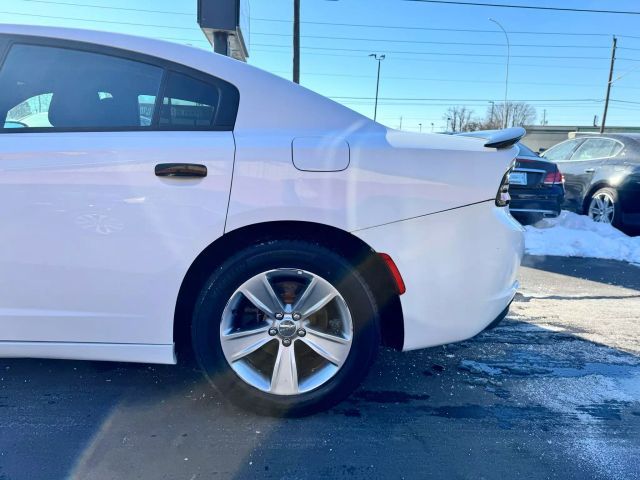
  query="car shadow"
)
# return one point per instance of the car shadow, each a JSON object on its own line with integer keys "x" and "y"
{"x": 611, "y": 272}
{"x": 490, "y": 407}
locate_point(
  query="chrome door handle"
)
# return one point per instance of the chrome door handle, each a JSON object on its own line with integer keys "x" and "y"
{"x": 590, "y": 170}
{"x": 180, "y": 170}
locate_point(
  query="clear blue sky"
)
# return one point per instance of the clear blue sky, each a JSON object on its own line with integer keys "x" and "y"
{"x": 565, "y": 75}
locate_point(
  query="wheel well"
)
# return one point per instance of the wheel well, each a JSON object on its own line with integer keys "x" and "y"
{"x": 587, "y": 198}
{"x": 363, "y": 257}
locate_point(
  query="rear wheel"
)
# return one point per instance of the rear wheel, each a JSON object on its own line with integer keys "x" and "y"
{"x": 604, "y": 207}
{"x": 285, "y": 328}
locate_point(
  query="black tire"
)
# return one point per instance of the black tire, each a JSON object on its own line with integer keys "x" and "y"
{"x": 314, "y": 258}
{"x": 613, "y": 194}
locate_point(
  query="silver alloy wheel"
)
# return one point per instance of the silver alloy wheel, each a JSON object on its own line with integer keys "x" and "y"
{"x": 286, "y": 331}
{"x": 602, "y": 208}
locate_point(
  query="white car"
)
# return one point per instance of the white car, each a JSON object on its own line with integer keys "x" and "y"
{"x": 178, "y": 200}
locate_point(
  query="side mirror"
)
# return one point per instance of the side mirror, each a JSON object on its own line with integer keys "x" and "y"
{"x": 541, "y": 150}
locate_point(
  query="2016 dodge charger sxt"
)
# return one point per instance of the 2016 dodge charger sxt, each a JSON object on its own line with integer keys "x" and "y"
{"x": 154, "y": 196}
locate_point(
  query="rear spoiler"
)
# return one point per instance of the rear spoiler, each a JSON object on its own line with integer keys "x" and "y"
{"x": 498, "y": 138}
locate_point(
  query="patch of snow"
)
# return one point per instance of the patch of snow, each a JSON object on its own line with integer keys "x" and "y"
{"x": 478, "y": 367}
{"x": 572, "y": 235}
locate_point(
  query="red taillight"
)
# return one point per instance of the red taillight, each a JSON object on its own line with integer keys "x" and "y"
{"x": 553, "y": 178}
{"x": 395, "y": 273}
{"x": 502, "y": 197}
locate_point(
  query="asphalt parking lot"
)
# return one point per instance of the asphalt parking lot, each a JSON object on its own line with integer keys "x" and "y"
{"x": 554, "y": 392}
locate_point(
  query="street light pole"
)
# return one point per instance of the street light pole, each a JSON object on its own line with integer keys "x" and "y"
{"x": 506, "y": 83}
{"x": 379, "y": 59}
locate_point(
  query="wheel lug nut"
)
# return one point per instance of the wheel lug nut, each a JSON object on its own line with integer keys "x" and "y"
{"x": 279, "y": 316}
{"x": 302, "y": 332}
{"x": 296, "y": 316}
{"x": 273, "y": 331}
{"x": 286, "y": 342}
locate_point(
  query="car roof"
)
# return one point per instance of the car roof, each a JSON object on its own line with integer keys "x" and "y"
{"x": 616, "y": 136}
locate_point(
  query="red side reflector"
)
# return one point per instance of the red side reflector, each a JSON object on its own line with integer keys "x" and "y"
{"x": 395, "y": 273}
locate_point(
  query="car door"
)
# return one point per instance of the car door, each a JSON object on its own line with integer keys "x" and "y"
{"x": 94, "y": 245}
{"x": 583, "y": 165}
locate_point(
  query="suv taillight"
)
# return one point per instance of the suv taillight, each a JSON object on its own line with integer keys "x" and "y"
{"x": 553, "y": 178}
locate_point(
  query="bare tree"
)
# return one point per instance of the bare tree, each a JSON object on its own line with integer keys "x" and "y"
{"x": 517, "y": 115}
{"x": 458, "y": 118}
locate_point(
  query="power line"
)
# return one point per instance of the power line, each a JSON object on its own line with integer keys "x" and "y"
{"x": 572, "y": 57}
{"x": 432, "y": 42}
{"x": 526, "y": 7}
{"x": 98, "y": 21}
{"x": 431, "y": 60}
{"x": 448, "y": 80}
{"x": 436, "y": 29}
{"x": 626, "y": 101}
{"x": 70, "y": 4}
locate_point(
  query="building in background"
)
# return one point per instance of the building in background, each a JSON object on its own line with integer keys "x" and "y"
{"x": 226, "y": 25}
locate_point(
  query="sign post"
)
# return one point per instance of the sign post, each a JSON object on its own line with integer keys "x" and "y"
{"x": 225, "y": 23}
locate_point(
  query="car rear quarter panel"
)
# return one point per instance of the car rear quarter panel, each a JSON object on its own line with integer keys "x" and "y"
{"x": 391, "y": 176}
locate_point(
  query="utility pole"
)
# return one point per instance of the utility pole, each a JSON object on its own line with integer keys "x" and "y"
{"x": 379, "y": 59}
{"x": 544, "y": 117}
{"x": 609, "y": 83}
{"x": 400, "y": 128}
{"x": 420, "y": 125}
{"x": 296, "y": 41}
{"x": 493, "y": 107}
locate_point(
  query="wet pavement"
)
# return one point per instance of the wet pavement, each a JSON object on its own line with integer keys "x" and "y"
{"x": 553, "y": 392}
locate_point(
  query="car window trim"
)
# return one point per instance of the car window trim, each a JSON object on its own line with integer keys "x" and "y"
{"x": 165, "y": 65}
{"x": 598, "y": 158}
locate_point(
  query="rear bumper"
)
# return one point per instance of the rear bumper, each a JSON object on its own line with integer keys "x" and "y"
{"x": 498, "y": 320}
{"x": 459, "y": 267}
{"x": 547, "y": 201}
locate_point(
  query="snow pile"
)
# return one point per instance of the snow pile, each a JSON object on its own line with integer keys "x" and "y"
{"x": 572, "y": 235}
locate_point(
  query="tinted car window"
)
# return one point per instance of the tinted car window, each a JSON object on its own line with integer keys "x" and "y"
{"x": 50, "y": 87}
{"x": 194, "y": 104}
{"x": 594, "y": 148}
{"x": 562, "y": 151}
